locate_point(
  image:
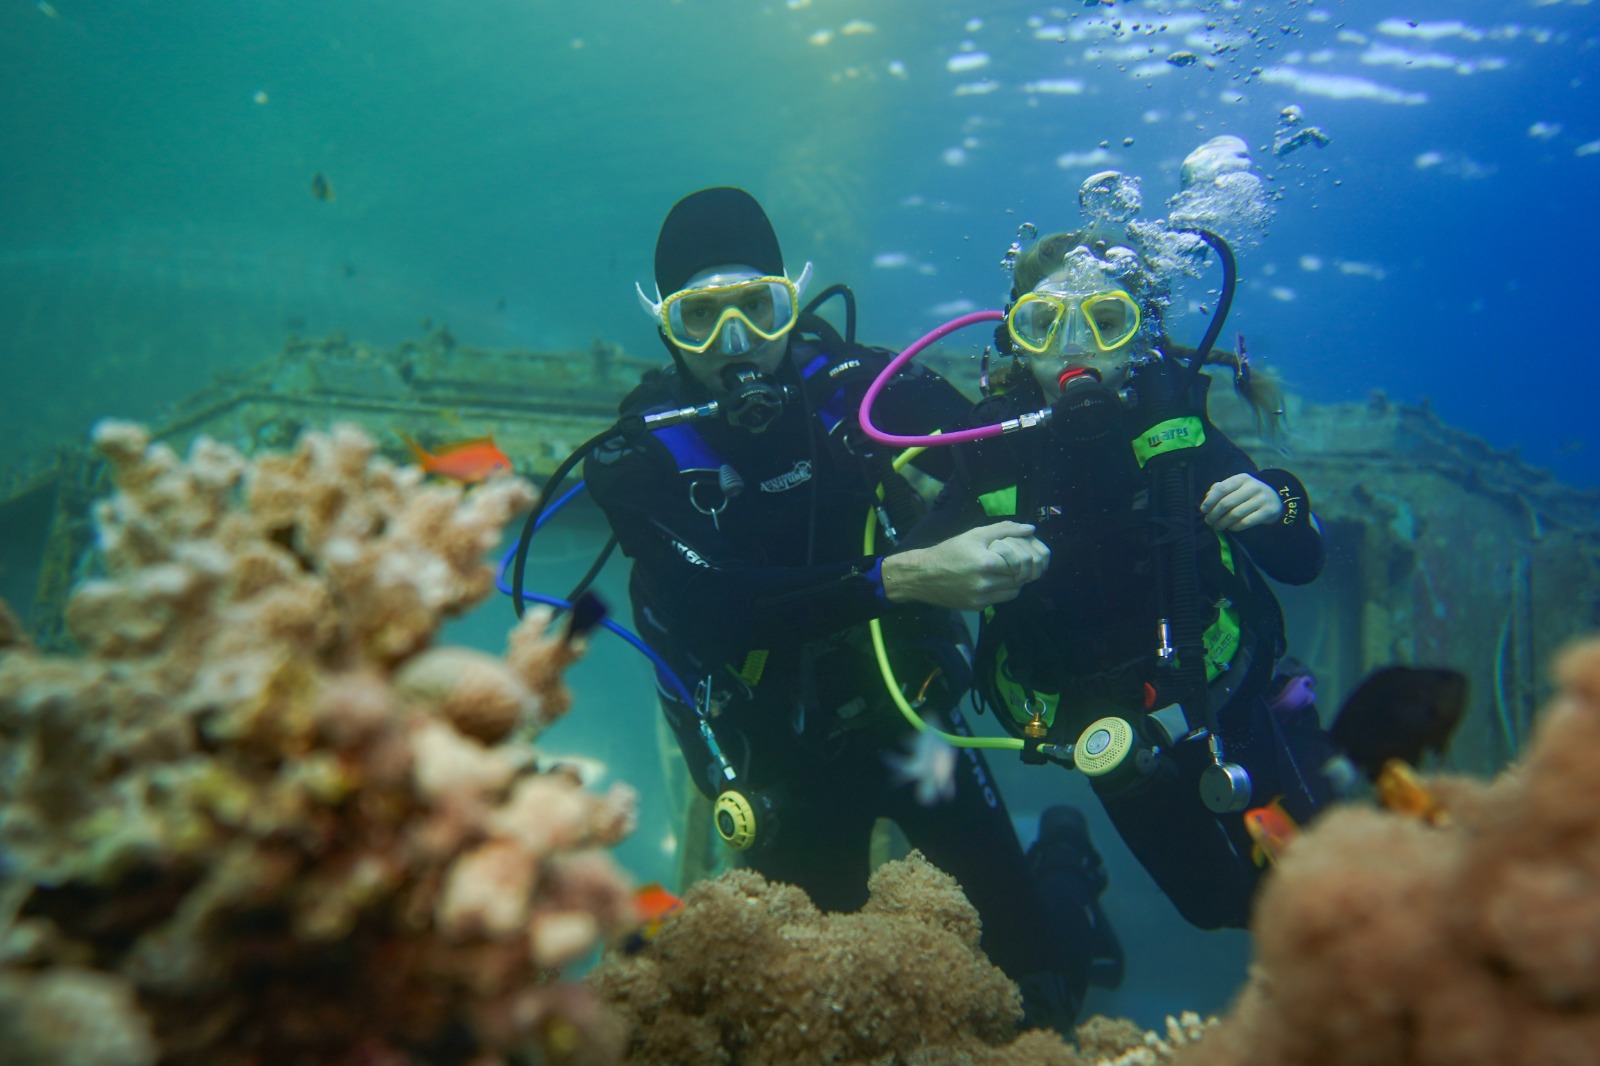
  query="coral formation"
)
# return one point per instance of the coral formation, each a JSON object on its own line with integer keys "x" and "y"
{"x": 1381, "y": 939}
{"x": 1118, "y": 1042}
{"x": 751, "y": 972}
{"x": 260, "y": 819}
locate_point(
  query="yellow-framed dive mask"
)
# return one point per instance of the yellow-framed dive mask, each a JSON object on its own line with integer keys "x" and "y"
{"x": 1041, "y": 321}
{"x": 767, "y": 307}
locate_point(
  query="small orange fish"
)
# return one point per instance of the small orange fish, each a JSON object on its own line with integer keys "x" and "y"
{"x": 1272, "y": 828}
{"x": 654, "y": 905}
{"x": 468, "y": 462}
{"x": 1402, "y": 791}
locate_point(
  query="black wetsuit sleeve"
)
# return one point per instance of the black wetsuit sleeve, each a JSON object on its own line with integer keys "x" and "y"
{"x": 1291, "y": 549}
{"x": 718, "y": 603}
{"x": 1288, "y": 550}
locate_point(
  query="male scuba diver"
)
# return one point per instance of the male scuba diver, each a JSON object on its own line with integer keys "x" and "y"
{"x": 744, "y": 520}
{"x": 1146, "y": 655}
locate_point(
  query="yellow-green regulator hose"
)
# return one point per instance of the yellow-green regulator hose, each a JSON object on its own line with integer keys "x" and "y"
{"x": 869, "y": 542}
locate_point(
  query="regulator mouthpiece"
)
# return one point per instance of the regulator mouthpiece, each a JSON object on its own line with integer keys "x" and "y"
{"x": 754, "y": 401}
{"x": 1072, "y": 374}
{"x": 1086, "y": 410}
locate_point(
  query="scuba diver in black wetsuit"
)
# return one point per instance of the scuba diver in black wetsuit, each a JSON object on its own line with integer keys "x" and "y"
{"x": 752, "y": 579}
{"x": 1147, "y": 654}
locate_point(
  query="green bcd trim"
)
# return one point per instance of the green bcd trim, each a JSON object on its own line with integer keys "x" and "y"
{"x": 1019, "y": 701}
{"x": 1174, "y": 434}
{"x": 1000, "y": 502}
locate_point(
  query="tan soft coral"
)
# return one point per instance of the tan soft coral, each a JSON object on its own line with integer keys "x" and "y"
{"x": 751, "y": 972}
{"x": 262, "y": 817}
{"x": 1384, "y": 941}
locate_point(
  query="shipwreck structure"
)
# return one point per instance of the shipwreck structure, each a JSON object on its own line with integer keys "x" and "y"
{"x": 1444, "y": 550}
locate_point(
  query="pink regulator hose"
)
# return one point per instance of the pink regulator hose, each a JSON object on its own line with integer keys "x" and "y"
{"x": 911, "y": 352}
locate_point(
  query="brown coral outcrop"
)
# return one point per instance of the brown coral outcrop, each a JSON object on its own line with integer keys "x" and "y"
{"x": 260, "y": 820}
{"x": 1383, "y": 941}
{"x": 751, "y": 972}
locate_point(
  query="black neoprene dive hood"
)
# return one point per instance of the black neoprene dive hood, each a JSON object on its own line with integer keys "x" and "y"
{"x": 716, "y": 227}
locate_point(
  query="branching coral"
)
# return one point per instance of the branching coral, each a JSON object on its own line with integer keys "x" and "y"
{"x": 261, "y": 820}
{"x": 1383, "y": 940}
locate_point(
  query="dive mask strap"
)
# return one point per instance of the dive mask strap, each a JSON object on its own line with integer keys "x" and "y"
{"x": 800, "y": 284}
{"x": 651, "y": 307}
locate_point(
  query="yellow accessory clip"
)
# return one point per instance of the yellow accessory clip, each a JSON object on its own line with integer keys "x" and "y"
{"x": 735, "y": 820}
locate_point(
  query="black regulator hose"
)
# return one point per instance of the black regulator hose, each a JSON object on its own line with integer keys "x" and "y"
{"x": 593, "y": 572}
{"x": 849, "y": 307}
{"x": 518, "y": 604}
{"x": 1174, "y": 495}
{"x": 1230, "y": 282}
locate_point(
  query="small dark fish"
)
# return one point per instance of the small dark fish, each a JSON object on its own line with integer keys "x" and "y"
{"x": 322, "y": 188}
{"x": 587, "y": 613}
{"x": 1399, "y": 713}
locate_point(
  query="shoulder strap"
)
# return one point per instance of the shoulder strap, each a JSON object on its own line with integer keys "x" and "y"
{"x": 688, "y": 448}
{"x": 657, "y": 391}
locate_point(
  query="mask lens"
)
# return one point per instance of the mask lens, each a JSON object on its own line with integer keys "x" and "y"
{"x": 693, "y": 318}
{"x": 1113, "y": 317}
{"x": 1032, "y": 321}
{"x": 697, "y": 316}
{"x": 758, "y": 306}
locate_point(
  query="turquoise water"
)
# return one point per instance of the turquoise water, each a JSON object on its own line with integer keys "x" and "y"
{"x": 503, "y": 167}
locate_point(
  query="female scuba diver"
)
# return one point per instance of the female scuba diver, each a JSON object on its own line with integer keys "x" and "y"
{"x": 1146, "y": 654}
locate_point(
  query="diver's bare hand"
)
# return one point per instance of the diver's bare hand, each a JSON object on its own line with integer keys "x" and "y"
{"x": 977, "y": 569}
{"x": 1240, "y": 502}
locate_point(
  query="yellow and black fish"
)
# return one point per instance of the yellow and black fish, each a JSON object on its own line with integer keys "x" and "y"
{"x": 321, "y": 187}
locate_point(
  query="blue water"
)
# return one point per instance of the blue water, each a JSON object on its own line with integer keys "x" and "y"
{"x": 503, "y": 166}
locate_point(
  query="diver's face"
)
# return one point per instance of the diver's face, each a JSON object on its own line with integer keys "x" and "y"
{"x": 730, "y": 315}
{"x": 1063, "y": 331}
